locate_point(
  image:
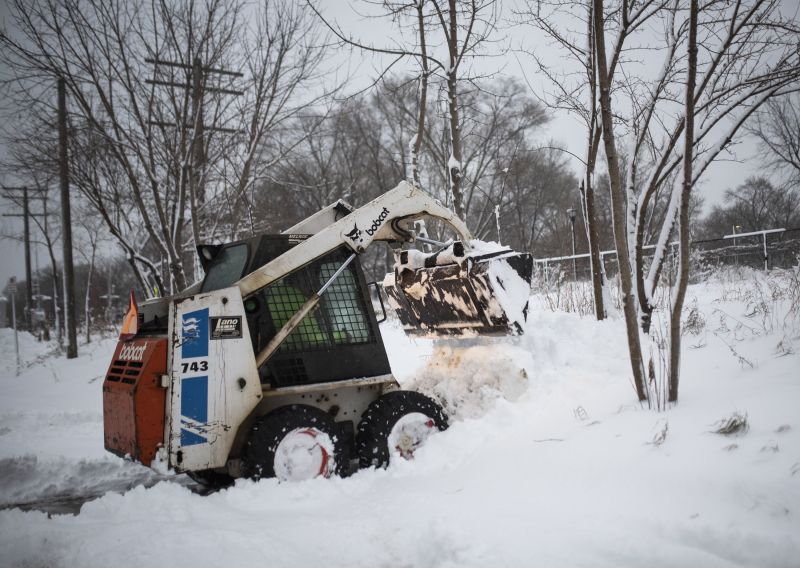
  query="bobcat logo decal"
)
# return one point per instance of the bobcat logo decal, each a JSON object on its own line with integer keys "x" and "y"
{"x": 355, "y": 234}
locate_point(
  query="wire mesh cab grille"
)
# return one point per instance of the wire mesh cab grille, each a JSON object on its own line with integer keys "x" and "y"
{"x": 342, "y": 317}
{"x": 337, "y": 341}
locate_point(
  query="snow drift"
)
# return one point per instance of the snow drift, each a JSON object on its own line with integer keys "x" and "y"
{"x": 549, "y": 460}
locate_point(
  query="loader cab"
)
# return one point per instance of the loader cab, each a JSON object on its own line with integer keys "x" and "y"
{"x": 340, "y": 340}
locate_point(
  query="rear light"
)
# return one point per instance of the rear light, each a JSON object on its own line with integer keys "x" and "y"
{"x": 130, "y": 325}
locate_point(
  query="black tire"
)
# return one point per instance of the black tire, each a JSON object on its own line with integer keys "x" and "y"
{"x": 269, "y": 430}
{"x": 211, "y": 479}
{"x": 372, "y": 438}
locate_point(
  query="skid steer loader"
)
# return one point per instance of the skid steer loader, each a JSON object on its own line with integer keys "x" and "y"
{"x": 274, "y": 366}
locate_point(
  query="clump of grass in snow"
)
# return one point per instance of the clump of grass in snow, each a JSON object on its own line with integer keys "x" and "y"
{"x": 734, "y": 425}
{"x": 743, "y": 361}
{"x": 772, "y": 299}
{"x": 662, "y": 429}
{"x": 555, "y": 290}
{"x": 784, "y": 347}
{"x": 771, "y": 447}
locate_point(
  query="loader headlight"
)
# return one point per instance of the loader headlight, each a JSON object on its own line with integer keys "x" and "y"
{"x": 251, "y": 305}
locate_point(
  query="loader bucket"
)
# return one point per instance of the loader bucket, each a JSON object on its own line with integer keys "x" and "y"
{"x": 453, "y": 292}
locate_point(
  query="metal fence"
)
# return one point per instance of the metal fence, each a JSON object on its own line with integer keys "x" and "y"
{"x": 766, "y": 249}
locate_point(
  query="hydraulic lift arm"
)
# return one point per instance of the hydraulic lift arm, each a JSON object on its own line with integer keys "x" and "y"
{"x": 378, "y": 220}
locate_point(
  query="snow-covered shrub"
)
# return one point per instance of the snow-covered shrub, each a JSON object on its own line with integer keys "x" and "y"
{"x": 695, "y": 322}
{"x": 734, "y": 425}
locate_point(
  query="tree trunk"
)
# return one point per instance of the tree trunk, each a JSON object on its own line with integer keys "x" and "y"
{"x": 54, "y": 266}
{"x": 590, "y": 216}
{"x": 422, "y": 98}
{"x": 683, "y": 225}
{"x": 88, "y": 294}
{"x": 587, "y": 189}
{"x": 618, "y": 207}
{"x": 454, "y": 164}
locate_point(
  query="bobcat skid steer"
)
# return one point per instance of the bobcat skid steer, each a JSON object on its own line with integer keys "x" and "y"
{"x": 274, "y": 366}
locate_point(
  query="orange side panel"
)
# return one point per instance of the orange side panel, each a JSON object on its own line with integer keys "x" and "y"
{"x": 134, "y": 403}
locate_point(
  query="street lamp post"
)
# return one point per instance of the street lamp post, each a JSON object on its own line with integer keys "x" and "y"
{"x": 571, "y": 213}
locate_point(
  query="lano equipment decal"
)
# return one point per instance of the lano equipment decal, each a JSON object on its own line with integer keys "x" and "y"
{"x": 226, "y": 327}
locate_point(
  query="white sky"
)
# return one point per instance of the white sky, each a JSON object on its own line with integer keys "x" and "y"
{"x": 362, "y": 68}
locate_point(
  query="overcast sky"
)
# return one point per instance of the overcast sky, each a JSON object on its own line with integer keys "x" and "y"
{"x": 361, "y": 68}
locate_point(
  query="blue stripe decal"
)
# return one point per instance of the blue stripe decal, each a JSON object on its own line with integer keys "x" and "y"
{"x": 194, "y": 334}
{"x": 191, "y": 439}
{"x": 194, "y": 410}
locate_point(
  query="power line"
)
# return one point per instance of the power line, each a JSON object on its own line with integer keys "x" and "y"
{"x": 156, "y": 61}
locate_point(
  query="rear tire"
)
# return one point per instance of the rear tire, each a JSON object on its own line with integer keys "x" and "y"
{"x": 211, "y": 479}
{"x": 294, "y": 443}
{"x": 400, "y": 419}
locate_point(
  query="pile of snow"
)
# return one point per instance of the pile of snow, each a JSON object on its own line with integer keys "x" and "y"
{"x": 549, "y": 460}
{"x": 511, "y": 291}
{"x": 32, "y": 352}
{"x": 457, "y": 375}
{"x": 486, "y": 247}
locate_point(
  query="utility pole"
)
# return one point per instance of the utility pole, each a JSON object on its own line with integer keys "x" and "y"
{"x": 66, "y": 223}
{"x": 12, "y": 290}
{"x": 20, "y": 196}
{"x": 23, "y": 197}
{"x": 196, "y": 86}
{"x": 28, "y": 279}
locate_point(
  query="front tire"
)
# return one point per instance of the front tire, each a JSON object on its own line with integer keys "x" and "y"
{"x": 294, "y": 443}
{"x": 396, "y": 424}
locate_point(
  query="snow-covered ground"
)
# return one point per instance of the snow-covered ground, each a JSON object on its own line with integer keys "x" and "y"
{"x": 549, "y": 460}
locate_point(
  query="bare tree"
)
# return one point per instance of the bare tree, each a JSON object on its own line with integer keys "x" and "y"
{"x": 91, "y": 236}
{"x": 618, "y": 204}
{"x": 754, "y": 205}
{"x": 284, "y": 54}
{"x": 362, "y": 149}
{"x": 683, "y": 209}
{"x": 749, "y": 57}
{"x": 159, "y": 135}
{"x": 575, "y": 89}
{"x": 777, "y": 128}
{"x": 32, "y": 156}
{"x": 464, "y": 26}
